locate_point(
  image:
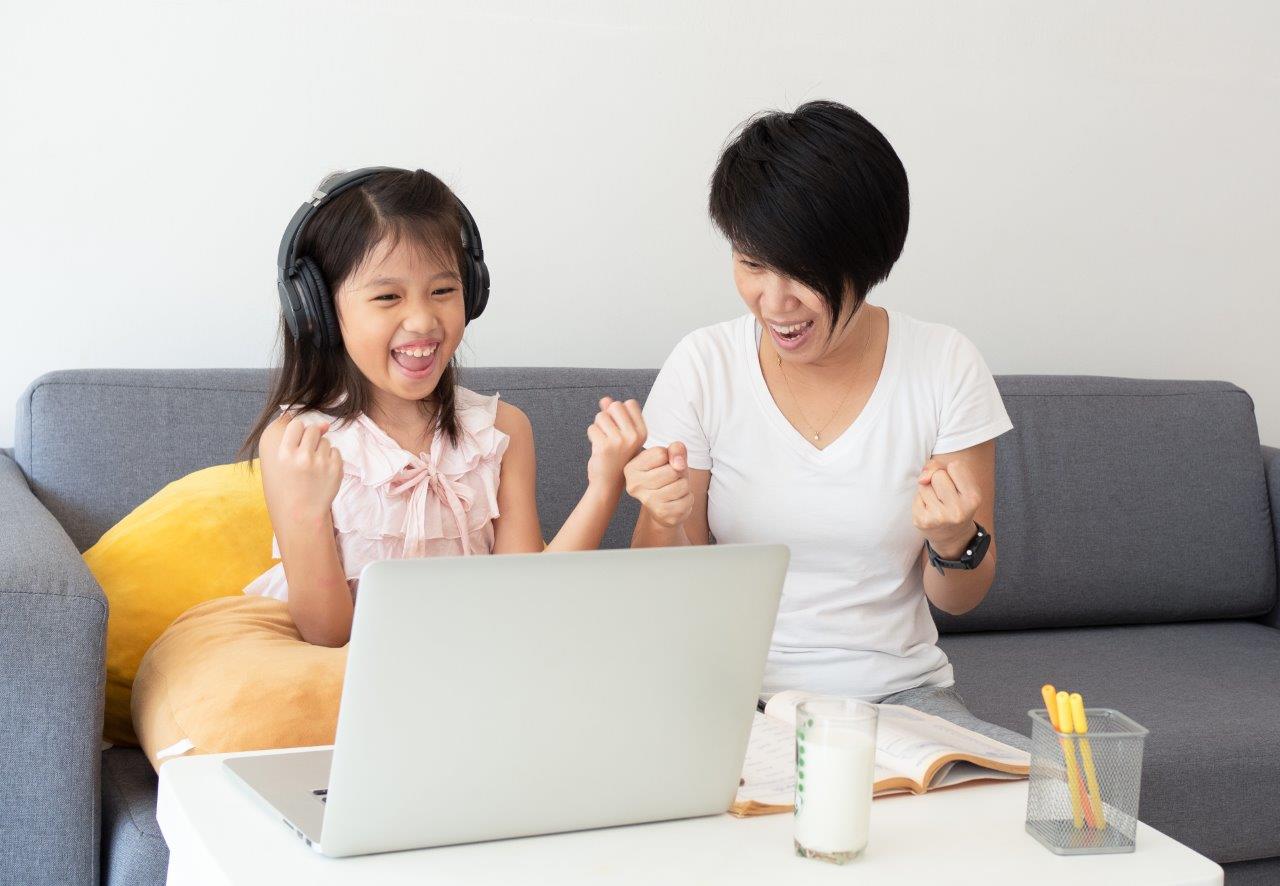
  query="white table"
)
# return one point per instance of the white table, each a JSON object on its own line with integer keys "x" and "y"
{"x": 218, "y": 832}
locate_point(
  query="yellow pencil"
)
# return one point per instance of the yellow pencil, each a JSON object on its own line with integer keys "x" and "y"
{"x": 1073, "y": 771}
{"x": 1081, "y": 725}
{"x": 1050, "y": 697}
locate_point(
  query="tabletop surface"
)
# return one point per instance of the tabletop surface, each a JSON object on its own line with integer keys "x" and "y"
{"x": 220, "y": 832}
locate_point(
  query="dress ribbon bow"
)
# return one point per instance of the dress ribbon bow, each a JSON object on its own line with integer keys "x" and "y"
{"x": 423, "y": 480}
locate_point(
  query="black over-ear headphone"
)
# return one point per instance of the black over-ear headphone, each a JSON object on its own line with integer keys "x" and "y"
{"x": 306, "y": 301}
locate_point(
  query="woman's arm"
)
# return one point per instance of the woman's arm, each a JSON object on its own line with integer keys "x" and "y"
{"x": 616, "y": 434}
{"x": 301, "y": 474}
{"x": 955, "y": 490}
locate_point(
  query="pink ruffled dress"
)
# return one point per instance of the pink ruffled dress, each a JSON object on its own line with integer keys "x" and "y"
{"x": 393, "y": 503}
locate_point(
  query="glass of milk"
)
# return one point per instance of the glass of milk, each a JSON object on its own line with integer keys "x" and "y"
{"x": 835, "y": 769}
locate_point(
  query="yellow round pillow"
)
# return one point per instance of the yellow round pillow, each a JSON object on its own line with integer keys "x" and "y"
{"x": 203, "y": 536}
{"x": 235, "y": 675}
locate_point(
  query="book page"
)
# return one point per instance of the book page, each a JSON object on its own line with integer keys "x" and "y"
{"x": 916, "y": 745}
{"x": 769, "y": 771}
{"x": 961, "y": 772}
{"x": 915, "y": 752}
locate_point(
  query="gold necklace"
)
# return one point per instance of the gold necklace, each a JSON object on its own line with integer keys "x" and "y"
{"x": 817, "y": 432}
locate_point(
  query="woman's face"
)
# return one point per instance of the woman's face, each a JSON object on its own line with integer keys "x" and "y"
{"x": 795, "y": 317}
{"x": 402, "y": 315}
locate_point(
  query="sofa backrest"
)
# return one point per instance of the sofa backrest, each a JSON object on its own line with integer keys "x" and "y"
{"x": 1126, "y": 501}
{"x": 94, "y": 444}
{"x": 1118, "y": 500}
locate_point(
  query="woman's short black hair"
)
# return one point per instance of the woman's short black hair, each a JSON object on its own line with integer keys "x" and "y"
{"x": 818, "y": 195}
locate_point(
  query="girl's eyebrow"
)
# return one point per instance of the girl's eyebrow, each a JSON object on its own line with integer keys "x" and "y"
{"x": 396, "y": 281}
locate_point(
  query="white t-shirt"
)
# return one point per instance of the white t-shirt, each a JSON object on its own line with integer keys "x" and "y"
{"x": 854, "y": 619}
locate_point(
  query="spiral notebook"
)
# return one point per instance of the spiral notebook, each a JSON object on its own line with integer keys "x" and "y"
{"x": 915, "y": 752}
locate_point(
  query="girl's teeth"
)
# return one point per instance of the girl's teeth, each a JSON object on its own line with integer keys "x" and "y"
{"x": 417, "y": 352}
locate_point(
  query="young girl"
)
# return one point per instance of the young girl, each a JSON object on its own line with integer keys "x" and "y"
{"x": 369, "y": 448}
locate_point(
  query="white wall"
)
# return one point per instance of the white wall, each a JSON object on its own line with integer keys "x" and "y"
{"x": 1095, "y": 185}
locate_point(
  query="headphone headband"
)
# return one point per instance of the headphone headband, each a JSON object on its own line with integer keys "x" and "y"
{"x": 330, "y": 186}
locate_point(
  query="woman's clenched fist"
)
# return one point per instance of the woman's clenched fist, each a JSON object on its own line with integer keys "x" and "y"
{"x": 658, "y": 478}
{"x": 947, "y": 498}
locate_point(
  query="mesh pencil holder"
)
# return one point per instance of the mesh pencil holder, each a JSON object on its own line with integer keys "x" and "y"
{"x": 1083, "y": 793}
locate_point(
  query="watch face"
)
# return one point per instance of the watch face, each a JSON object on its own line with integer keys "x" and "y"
{"x": 981, "y": 541}
{"x": 970, "y": 557}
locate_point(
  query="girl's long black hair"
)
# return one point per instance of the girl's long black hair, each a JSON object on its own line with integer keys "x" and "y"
{"x": 413, "y": 207}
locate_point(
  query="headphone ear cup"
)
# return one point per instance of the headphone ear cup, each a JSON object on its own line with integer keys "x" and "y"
{"x": 290, "y": 305}
{"x": 319, "y": 305}
{"x": 477, "y": 288}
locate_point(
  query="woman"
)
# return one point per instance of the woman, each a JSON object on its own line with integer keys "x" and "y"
{"x": 860, "y": 437}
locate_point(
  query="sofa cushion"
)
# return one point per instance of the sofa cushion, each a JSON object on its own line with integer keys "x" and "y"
{"x": 202, "y": 536}
{"x": 1206, "y": 690}
{"x": 96, "y": 443}
{"x": 133, "y": 849}
{"x": 1263, "y": 872}
{"x": 1126, "y": 501}
{"x": 234, "y": 674}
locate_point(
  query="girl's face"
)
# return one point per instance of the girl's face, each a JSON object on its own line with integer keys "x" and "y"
{"x": 402, "y": 314}
{"x": 794, "y": 316}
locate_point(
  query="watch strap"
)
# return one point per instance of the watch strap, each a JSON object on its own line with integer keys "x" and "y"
{"x": 974, "y": 552}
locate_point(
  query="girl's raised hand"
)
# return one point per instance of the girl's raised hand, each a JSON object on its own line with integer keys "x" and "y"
{"x": 301, "y": 470}
{"x": 616, "y": 436}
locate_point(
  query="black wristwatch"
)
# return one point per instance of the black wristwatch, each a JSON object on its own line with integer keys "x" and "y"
{"x": 974, "y": 551}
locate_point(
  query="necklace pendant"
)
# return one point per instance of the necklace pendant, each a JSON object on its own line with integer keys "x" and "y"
{"x": 816, "y": 436}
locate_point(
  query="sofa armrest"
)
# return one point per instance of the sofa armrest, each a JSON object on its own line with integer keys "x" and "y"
{"x": 53, "y": 621}
{"x": 1271, "y": 467}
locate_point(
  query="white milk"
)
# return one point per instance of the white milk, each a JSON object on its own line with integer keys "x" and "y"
{"x": 836, "y": 766}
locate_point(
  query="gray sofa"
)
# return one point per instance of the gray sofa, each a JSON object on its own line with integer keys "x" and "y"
{"x": 1137, "y": 565}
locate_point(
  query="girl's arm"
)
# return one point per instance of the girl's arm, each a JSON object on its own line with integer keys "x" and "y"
{"x": 301, "y": 474}
{"x": 617, "y": 434}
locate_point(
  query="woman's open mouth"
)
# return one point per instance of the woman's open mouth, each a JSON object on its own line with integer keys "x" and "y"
{"x": 790, "y": 336}
{"x": 416, "y": 361}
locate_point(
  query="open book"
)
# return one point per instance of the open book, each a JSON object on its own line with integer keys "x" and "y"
{"x": 915, "y": 752}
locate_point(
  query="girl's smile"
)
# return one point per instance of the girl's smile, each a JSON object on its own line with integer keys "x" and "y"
{"x": 416, "y": 358}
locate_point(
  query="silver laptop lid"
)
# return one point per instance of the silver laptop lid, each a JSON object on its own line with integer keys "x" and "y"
{"x": 503, "y": 696}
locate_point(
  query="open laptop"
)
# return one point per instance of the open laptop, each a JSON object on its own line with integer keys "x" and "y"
{"x": 511, "y": 695}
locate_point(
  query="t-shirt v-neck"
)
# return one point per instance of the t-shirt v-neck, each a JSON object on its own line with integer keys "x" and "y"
{"x": 853, "y": 619}
{"x": 773, "y": 412}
